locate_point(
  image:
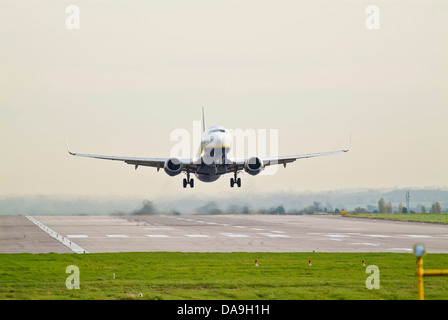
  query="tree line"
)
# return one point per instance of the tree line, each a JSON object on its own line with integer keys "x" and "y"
{"x": 386, "y": 207}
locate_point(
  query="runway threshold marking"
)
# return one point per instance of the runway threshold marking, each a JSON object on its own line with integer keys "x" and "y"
{"x": 64, "y": 240}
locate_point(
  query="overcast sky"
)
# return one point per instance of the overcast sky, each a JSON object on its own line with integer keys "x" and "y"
{"x": 135, "y": 71}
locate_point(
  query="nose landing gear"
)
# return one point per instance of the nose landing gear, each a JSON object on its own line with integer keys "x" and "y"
{"x": 235, "y": 180}
{"x": 188, "y": 181}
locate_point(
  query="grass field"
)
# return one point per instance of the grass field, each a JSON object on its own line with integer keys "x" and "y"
{"x": 218, "y": 276}
{"x": 415, "y": 217}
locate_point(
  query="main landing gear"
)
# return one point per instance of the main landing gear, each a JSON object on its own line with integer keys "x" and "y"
{"x": 188, "y": 181}
{"x": 235, "y": 180}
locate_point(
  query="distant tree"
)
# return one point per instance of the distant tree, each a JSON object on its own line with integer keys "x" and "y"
{"x": 314, "y": 208}
{"x": 405, "y": 210}
{"x": 400, "y": 208}
{"x": 382, "y": 206}
{"x": 359, "y": 210}
{"x": 337, "y": 210}
{"x": 423, "y": 209}
{"x": 388, "y": 208}
{"x": 277, "y": 210}
{"x": 147, "y": 208}
{"x": 435, "y": 208}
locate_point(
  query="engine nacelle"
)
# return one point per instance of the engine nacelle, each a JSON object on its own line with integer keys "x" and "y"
{"x": 172, "y": 166}
{"x": 254, "y": 166}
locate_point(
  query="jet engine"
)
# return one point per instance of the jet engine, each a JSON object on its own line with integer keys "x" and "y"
{"x": 253, "y": 166}
{"x": 172, "y": 166}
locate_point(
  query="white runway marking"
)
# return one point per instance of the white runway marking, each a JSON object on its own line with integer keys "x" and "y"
{"x": 367, "y": 244}
{"x": 116, "y": 236}
{"x": 235, "y": 235}
{"x": 417, "y": 236}
{"x": 197, "y": 236}
{"x": 337, "y": 235}
{"x": 157, "y": 236}
{"x": 271, "y": 235}
{"x": 66, "y": 242}
{"x": 377, "y": 235}
{"x": 400, "y": 249}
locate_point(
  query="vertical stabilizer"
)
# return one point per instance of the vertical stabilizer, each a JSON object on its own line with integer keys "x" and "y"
{"x": 203, "y": 120}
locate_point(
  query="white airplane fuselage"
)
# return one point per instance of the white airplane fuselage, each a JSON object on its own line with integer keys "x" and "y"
{"x": 216, "y": 143}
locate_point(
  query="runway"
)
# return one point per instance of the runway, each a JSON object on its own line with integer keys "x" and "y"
{"x": 217, "y": 233}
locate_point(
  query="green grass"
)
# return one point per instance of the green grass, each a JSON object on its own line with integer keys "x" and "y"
{"x": 165, "y": 275}
{"x": 415, "y": 217}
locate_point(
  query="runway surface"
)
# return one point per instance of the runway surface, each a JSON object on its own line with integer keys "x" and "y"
{"x": 216, "y": 233}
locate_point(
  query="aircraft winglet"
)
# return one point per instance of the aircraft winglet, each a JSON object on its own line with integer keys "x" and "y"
{"x": 68, "y": 148}
{"x": 350, "y": 144}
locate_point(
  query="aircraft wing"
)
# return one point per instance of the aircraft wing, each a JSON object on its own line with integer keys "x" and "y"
{"x": 187, "y": 164}
{"x": 238, "y": 165}
{"x": 286, "y": 159}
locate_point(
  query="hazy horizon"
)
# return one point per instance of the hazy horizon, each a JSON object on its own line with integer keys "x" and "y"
{"x": 202, "y": 204}
{"x": 130, "y": 75}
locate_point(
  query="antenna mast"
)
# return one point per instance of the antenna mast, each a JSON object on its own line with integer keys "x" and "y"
{"x": 408, "y": 196}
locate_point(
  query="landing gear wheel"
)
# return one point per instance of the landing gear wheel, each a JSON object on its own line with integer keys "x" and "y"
{"x": 235, "y": 180}
{"x": 188, "y": 181}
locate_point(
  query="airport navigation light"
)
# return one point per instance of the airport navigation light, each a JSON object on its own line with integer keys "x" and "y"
{"x": 419, "y": 250}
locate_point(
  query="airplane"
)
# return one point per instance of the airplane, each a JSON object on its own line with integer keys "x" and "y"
{"x": 213, "y": 160}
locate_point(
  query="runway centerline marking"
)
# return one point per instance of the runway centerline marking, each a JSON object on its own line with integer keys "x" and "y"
{"x": 235, "y": 235}
{"x": 337, "y": 235}
{"x": 157, "y": 236}
{"x": 272, "y": 235}
{"x": 376, "y": 235}
{"x": 116, "y": 236}
{"x": 197, "y": 236}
